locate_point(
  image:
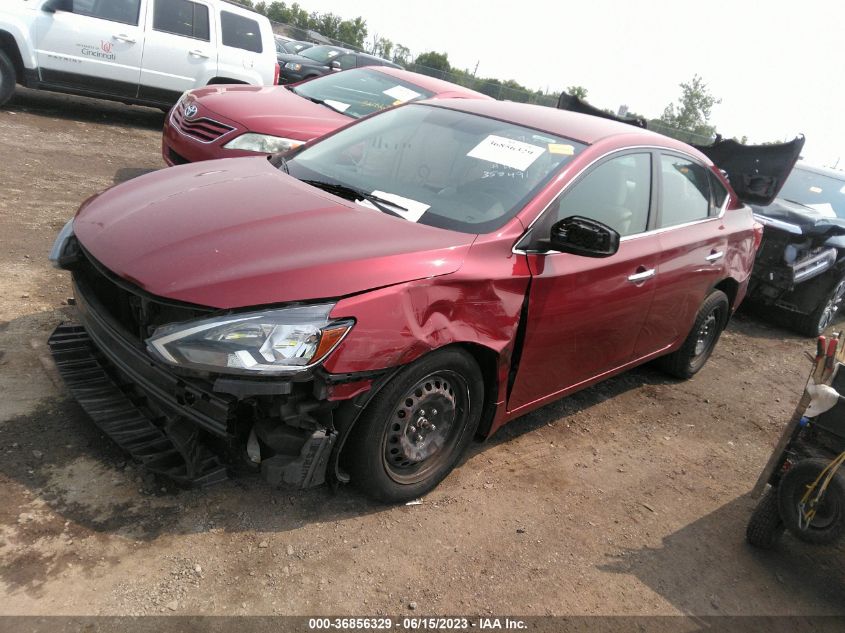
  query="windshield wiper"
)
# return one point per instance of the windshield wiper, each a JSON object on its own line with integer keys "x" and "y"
{"x": 351, "y": 193}
{"x": 800, "y": 204}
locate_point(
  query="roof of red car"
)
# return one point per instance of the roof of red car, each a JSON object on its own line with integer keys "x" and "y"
{"x": 437, "y": 86}
{"x": 578, "y": 127}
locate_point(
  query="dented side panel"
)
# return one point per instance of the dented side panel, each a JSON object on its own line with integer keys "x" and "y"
{"x": 478, "y": 305}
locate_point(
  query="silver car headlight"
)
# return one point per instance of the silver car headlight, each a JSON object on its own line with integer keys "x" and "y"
{"x": 262, "y": 143}
{"x": 267, "y": 342}
{"x": 293, "y": 66}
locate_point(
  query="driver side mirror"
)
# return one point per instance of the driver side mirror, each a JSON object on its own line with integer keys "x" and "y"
{"x": 51, "y": 6}
{"x": 582, "y": 236}
{"x": 335, "y": 65}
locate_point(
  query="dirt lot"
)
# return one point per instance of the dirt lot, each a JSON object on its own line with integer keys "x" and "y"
{"x": 629, "y": 498}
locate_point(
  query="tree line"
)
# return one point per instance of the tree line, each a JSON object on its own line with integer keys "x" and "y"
{"x": 690, "y": 115}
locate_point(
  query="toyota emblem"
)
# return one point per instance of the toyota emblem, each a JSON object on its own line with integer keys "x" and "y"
{"x": 191, "y": 111}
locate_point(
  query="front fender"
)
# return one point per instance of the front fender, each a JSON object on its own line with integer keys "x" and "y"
{"x": 22, "y": 33}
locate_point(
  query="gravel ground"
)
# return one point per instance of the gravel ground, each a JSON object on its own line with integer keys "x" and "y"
{"x": 628, "y": 498}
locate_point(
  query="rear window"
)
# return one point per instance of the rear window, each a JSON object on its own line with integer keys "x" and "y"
{"x": 182, "y": 17}
{"x": 240, "y": 32}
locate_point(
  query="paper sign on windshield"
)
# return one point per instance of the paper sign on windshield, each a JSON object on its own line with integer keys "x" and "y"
{"x": 337, "y": 105}
{"x": 402, "y": 94}
{"x": 414, "y": 211}
{"x": 505, "y": 151}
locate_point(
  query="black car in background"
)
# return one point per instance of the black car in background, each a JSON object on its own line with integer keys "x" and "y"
{"x": 287, "y": 46}
{"x": 800, "y": 267}
{"x": 322, "y": 60}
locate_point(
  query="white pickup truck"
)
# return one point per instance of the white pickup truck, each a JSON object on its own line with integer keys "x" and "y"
{"x": 145, "y": 52}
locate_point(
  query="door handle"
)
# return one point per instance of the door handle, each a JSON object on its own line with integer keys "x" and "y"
{"x": 641, "y": 276}
{"x": 120, "y": 37}
{"x": 712, "y": 257}
{"x": 198, "y": 53}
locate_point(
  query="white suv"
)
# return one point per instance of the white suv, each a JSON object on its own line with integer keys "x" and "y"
{"x": 136, "y": 51}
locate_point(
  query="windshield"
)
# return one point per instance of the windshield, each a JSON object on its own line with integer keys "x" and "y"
{"x": 825, "y": 194}
{"x": 439, "y": 167}
{"x": 321, "y": 54}
{"x": 359, "y": 92}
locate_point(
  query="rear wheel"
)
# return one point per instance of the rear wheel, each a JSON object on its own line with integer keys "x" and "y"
{"x": 818, "y": 320}
{"x": 709, "y": 322}
{"x": 415, "y": 430}
{"x": 8, "y": 78}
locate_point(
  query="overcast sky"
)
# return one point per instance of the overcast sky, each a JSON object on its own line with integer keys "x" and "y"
{"x": 777, "y": 66}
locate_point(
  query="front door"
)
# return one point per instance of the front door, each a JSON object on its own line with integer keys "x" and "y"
{"x": 180, "y": 52}
{"x": 585, "y": 314}
{"x": 96, "y": 47}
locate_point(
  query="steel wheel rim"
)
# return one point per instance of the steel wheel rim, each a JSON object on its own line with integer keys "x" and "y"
{"x": 832, "y": 306}
{"x": 706, "y": 335}
{"x": 425, "y": 425}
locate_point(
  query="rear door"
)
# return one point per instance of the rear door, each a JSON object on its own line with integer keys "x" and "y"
{"x": 242, "y": 52}
{"x": 585, "y": 314}
{"x": 693, "y": 244}
{"x": 96, "y": 47}
{"x": 180, "y": 51}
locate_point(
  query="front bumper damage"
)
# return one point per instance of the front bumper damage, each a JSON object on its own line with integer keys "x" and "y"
{"x": 195, "y": 429}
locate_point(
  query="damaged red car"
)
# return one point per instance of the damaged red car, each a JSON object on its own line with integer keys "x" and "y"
{"x": 361, "y": 308}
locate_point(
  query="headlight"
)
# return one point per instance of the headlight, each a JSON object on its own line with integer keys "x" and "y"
{"x": 262, "y": 143}
{"x": 293, "y": 66}
{"x": 268, "y": 342}
{"x": 60, "y": 246}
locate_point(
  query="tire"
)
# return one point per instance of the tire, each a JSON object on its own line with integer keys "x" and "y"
{"x": 765, "y": 525}
{"x": 8, "y": 78}
{"x": 829, "y": 522}
{"x": 711, "y": 319}
{"x": 815, "y": 323}
{"x": 438, "y": 398}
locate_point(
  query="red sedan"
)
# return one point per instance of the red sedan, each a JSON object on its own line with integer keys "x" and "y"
{"x": 227, "y": 121}
{"x": 362, "y": 307}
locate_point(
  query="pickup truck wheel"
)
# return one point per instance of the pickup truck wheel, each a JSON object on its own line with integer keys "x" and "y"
{"x": 415, "y": 430}
{"x": 818, "y": 320}
{"x": 8, "y": 78}
{"x": 711, "y": 319}
{"x": 828, "y": 524}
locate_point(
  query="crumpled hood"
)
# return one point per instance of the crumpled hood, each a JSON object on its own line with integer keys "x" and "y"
{"x": 238, "y": 232}
{"x": 269, "y": 110}
{"x": 811, "y": 221}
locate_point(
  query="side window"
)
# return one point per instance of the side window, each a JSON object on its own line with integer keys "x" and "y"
{"x": 686, "y": 191}
{"x": 182, "y": 17}
{"x": 616, "y": 193}
{"x": 124, "y": 11}
{"x": 719, "y": 193}
{"x": 346, "y": 61}
{"x": 240, "y": 32}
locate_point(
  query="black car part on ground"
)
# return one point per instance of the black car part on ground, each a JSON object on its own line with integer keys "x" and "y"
{"x": 191, "y": 427}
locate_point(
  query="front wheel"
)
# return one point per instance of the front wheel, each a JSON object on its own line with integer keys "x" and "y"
{"x": 415, "y": 429}
{"x": 8, "y": 78}
{"x": 818, "y": 320}
{"x": 711, "y": 319}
